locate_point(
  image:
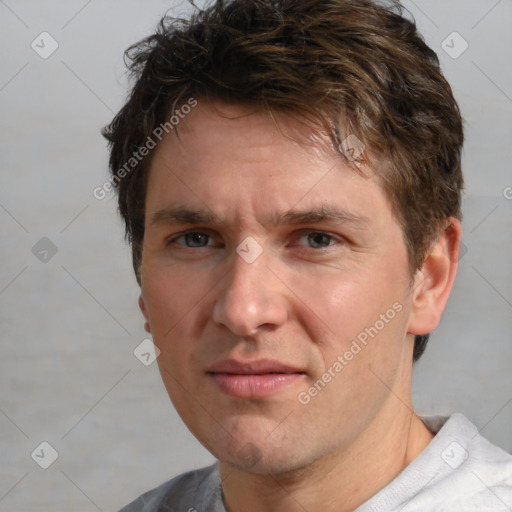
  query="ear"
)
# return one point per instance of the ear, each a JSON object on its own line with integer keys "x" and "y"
{"x": 434, "y": 281}
{"x": 142, "y": 306}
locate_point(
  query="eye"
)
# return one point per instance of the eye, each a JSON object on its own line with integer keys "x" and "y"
{"x": 317, "y": 239}
{"x": 192, "y": 239}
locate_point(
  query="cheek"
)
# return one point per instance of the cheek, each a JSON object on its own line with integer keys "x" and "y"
{"x": 179, "y": 305}
{"x": 171, "y": 297}
{"x": 358, "y": 324}
{"x": 173, "y": 307}
{"x": 359, "y": 366}
{"x": 341, "y": 304}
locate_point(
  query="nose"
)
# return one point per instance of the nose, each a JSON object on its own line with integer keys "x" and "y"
{"x": 250, "y": 298}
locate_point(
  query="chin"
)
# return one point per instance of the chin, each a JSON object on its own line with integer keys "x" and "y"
{"x": 258, "y": 454}
{"x": 251, "y": 459}
{"x": 250, "y": 437}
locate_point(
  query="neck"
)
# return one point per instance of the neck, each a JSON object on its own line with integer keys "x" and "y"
{"x": 341, "y": 481}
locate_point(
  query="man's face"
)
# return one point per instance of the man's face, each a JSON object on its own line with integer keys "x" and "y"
{"x": 264, "y": 260}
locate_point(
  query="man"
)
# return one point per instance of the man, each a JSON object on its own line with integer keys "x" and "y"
{"x": 289, "y": 175}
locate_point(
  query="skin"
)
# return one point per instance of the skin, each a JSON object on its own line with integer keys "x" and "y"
{"x": 317, "y": 284}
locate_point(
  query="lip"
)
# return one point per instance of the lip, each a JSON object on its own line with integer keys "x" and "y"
{"x": 253, "y": 379}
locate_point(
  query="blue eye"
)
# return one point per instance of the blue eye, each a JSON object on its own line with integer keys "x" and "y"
{"x": 193, "y": 239}
{"x": 318, "y": 240}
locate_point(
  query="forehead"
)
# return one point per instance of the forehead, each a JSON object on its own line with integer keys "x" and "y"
{"x": 213, "y": 126}
{"x": 230, "y": 159}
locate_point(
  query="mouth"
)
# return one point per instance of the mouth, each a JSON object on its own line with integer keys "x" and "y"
{"x": 255, "y": 379}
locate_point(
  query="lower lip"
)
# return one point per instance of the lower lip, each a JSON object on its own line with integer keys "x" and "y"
{"x": 254, "y": 386}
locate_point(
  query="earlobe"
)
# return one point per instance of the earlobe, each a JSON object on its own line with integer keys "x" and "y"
{"x": 434, "y": 281}
{"x": 142, "y": 306}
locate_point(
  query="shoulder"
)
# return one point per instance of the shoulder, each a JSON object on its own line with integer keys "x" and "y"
{"x": 478, "y": 473}
{"x": 459, "y": 470}
{"x": 468, "y": 472}
{"x": 199, "y": 489}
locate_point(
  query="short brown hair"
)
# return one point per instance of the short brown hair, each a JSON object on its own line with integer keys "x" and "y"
{"x": 353, "y": 67}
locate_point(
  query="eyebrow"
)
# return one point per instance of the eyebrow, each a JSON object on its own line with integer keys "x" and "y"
{"x": 183, "y": 215}
{"x": 322, "y": 214}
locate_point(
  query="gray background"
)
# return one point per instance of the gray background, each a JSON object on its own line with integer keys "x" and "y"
{"x": 69, "y": 324}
